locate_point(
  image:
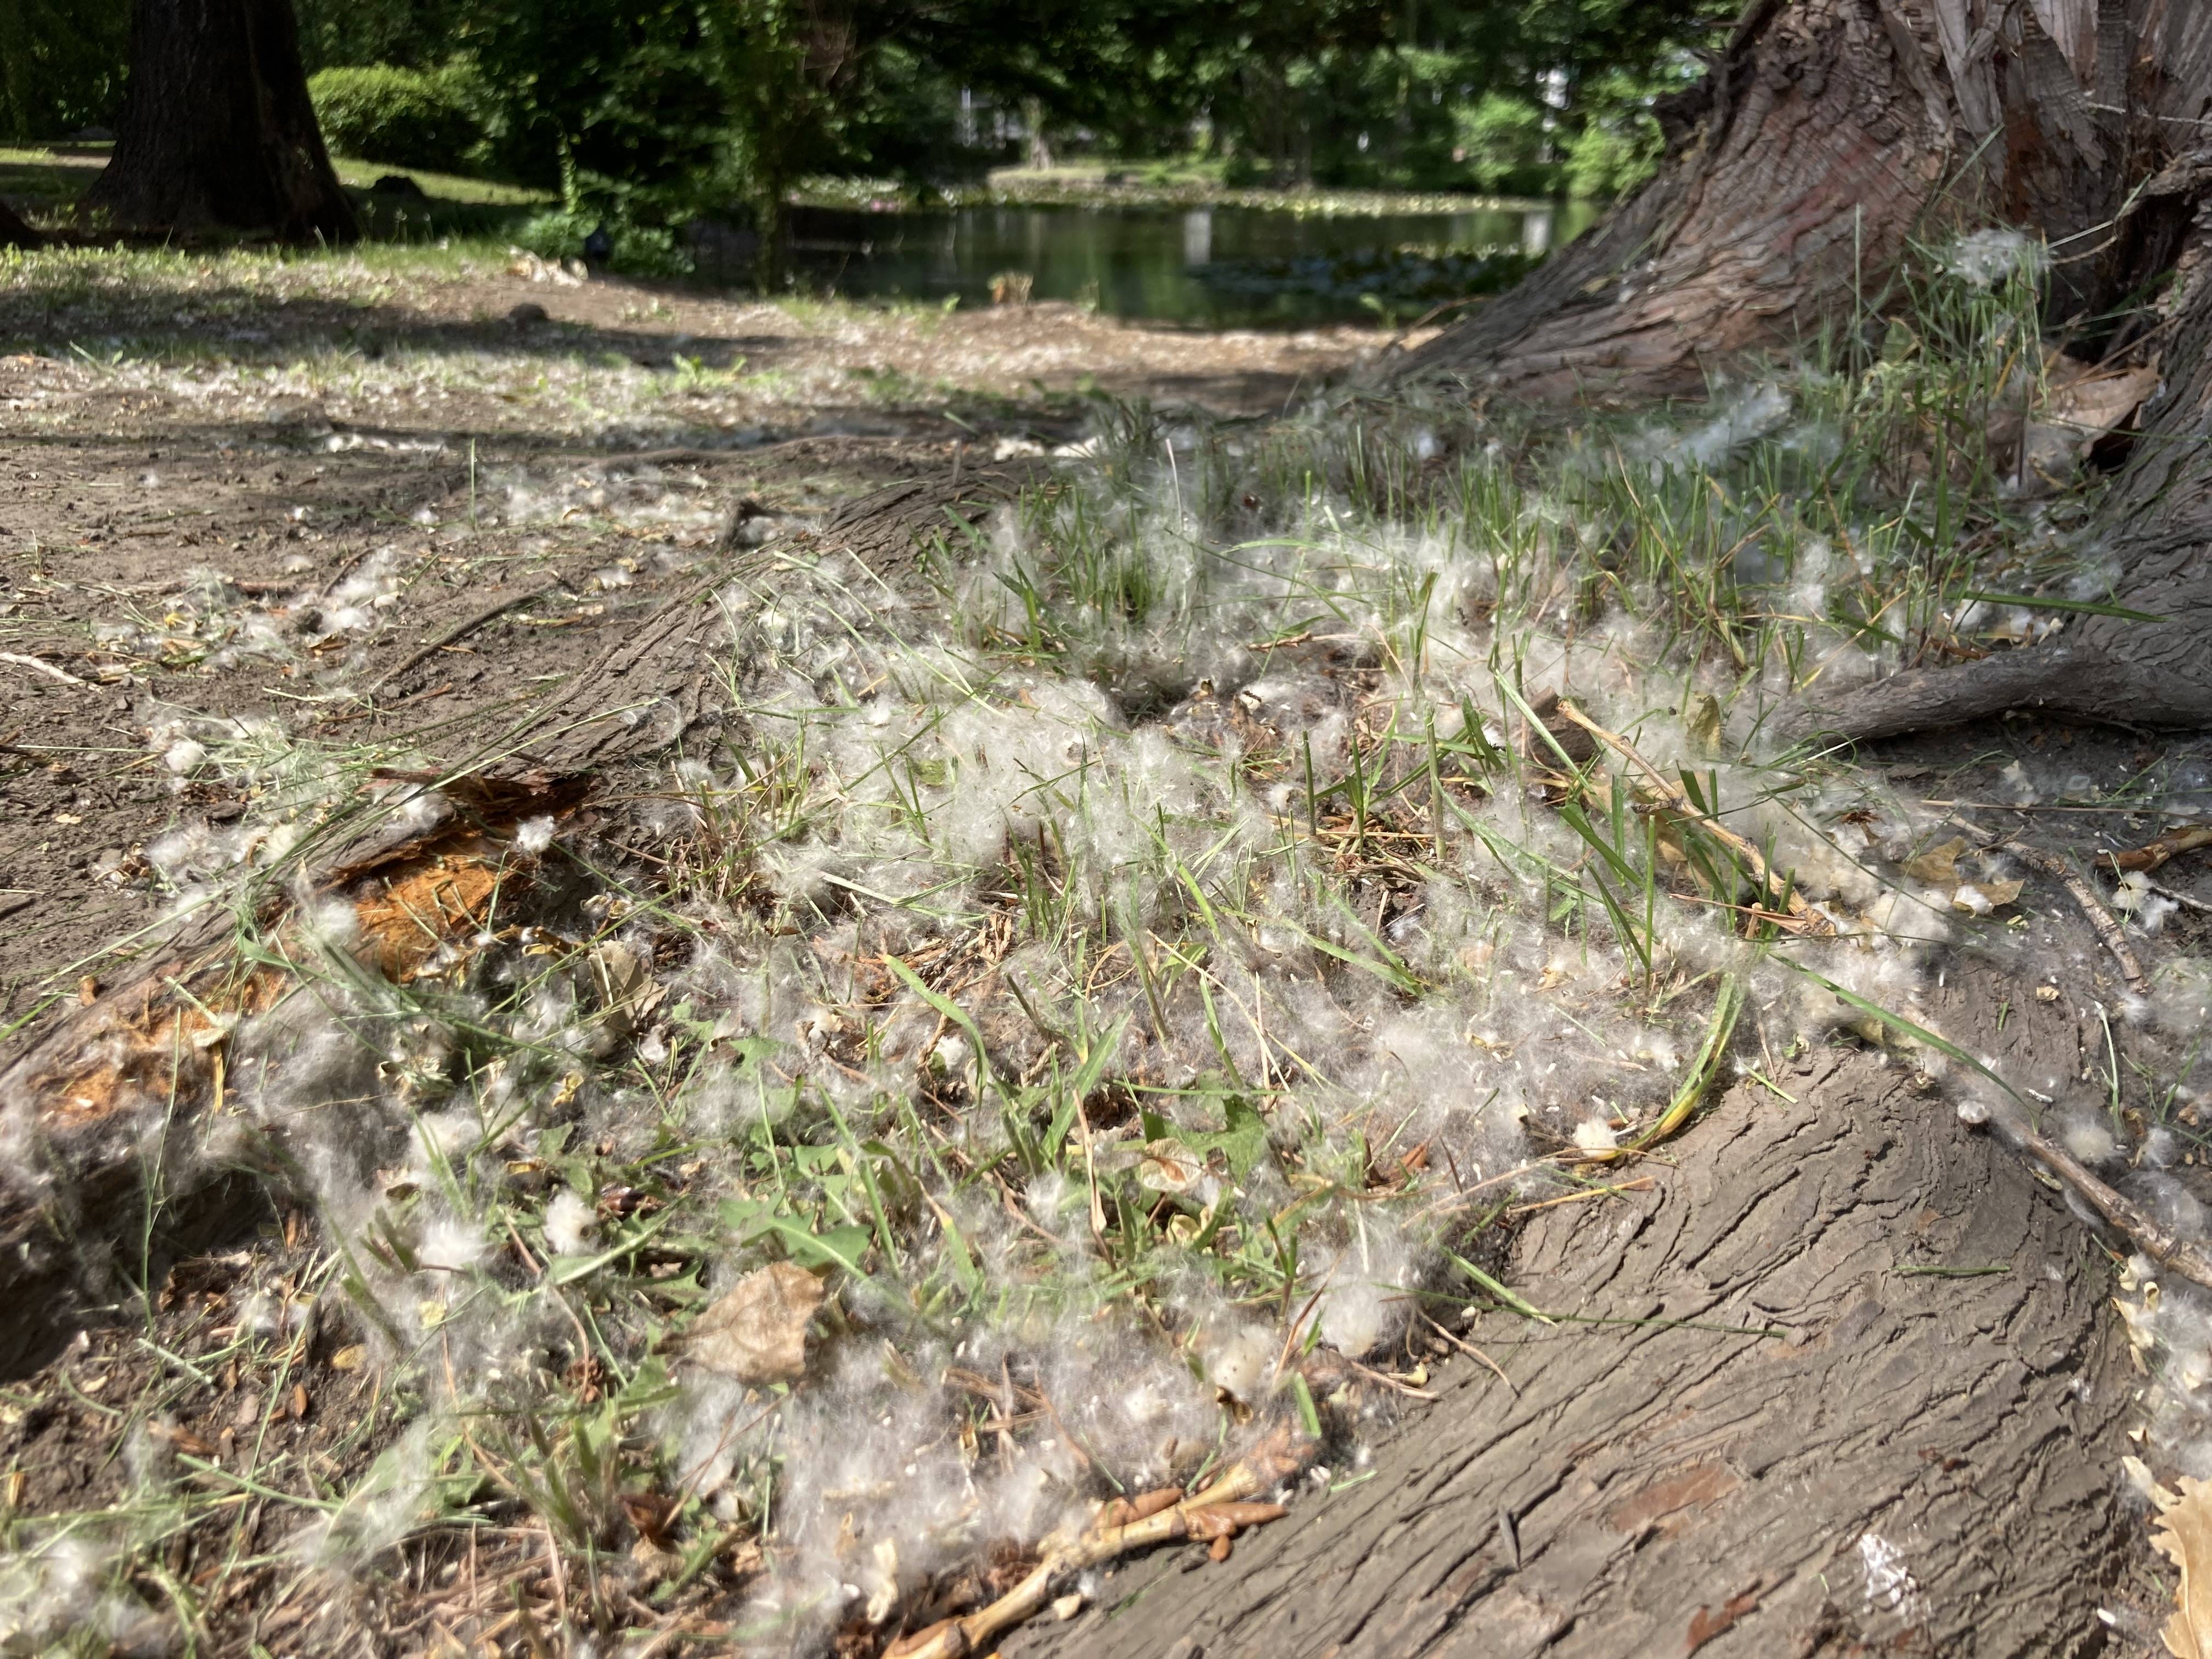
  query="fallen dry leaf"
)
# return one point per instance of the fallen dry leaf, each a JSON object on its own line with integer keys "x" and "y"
{"x": 1978, "y": 898}
{"x": 1936, "y": 866}
{"x": 2079, "y": 407}
{"x": 2183, "y": 1533}
{"x": 1169, "y": 1166}
{"x": 758, "y": 1333}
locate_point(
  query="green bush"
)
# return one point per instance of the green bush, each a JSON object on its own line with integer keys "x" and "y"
{"x": 401, "y": 116}
{"x": 639, "y": 250}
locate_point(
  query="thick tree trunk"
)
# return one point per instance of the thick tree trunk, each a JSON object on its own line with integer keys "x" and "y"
{"x": 1831, "y": 136}
{"x": 218, "y": 132}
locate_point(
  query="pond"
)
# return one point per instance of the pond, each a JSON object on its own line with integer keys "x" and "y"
{"x": 1216, "y": 266}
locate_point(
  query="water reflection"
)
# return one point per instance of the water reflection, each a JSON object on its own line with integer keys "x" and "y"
{"x": 1215, "y": 265}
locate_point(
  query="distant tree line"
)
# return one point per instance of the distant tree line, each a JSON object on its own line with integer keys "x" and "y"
{"x": 650, "y": 110}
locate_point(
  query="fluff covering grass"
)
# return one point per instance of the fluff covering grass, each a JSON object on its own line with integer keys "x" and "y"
{"x": 1139, "y": 965}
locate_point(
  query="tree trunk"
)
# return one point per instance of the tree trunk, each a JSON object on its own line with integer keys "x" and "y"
{"x": 1831, "y": 136}
{"x": 1912, "y": 1462}
{"x": 217, "y": 132}
{"x": 1040, "y": 146}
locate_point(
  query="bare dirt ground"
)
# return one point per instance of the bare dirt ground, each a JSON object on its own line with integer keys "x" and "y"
{"x": 190, "y": 448}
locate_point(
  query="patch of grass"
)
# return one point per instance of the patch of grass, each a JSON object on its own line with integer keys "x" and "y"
{"x": 445, "y": 187}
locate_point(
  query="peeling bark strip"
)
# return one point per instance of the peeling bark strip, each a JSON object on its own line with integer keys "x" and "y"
{"x": 1923, "y": 1464}
{"x": 113, "y": 1088}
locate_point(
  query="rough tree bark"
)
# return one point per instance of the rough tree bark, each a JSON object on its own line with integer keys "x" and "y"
{"x": 218, "y": 132}
{"x": 1831, "y": 135}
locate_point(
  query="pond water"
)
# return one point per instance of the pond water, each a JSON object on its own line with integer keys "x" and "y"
{"x": 1218, "y": 266}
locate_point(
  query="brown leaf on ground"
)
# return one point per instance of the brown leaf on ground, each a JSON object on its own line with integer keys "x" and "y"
{"x": 758, "y": 1333}
{"x": 1936, "y": 866}
{"x": 2183, "y": 1533}
{"x": 2081, "y": 406}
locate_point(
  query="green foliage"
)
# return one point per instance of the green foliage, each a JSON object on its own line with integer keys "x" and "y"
{"x": 402, "y": 116}
{"x": 1504, "y": 139}
{"x": 411, "y": 34}
{"x": 61, "y": 65}
{"x": 1620, "y": 145}
{"x": 648, "y": 112}
{"x": 639, "y": 250}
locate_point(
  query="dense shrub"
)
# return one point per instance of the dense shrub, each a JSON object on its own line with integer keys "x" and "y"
{"x": 639, "y": 250}
{"x": 399, "y": 116}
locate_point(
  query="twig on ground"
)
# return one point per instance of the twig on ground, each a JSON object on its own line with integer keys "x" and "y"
{"x": 2185, "y": 1257}
{"x": 2091, "y": 906}
{"x": 2107, "y": 925}
{"x": 2151, "y": 854}
{"x": 1467, "y": 1347}
{"x": 1387, "y": 1381}
{"x": 2182, "y": 899}
{"x": 1216, "y": 1512}
{"x": 39, "y": 664}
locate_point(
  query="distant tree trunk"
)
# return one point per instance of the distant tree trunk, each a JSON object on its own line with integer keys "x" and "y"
{"x": 218, "y": 132}
{"x": 1833, "y": 134}
{"x": 772, "y": 257}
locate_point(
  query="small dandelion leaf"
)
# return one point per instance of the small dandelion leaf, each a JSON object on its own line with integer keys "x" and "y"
{"x": 758, "y": 1333}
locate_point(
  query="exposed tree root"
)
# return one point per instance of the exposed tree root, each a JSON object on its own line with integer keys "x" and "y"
{"x": 14, "y": 233}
